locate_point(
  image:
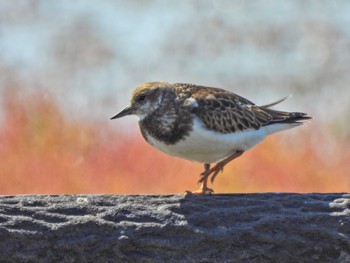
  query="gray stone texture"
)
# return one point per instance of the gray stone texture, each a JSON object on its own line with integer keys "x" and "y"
{"x": 267, "y": 227}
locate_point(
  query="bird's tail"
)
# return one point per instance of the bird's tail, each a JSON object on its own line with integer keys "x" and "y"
{"x": 282, "y": 120}
{"x": 275, "y": 102}
{"x": 283, "y": 116}
{"x": 286, "y": 117}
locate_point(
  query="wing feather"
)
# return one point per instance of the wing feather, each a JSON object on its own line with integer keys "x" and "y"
{"x": 227, "y": 112}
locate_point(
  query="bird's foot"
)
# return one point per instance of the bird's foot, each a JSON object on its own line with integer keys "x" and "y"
{"x": 202, "y": 191}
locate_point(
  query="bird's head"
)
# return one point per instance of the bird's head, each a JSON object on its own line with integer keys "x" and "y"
{"x": 145, "y": 99}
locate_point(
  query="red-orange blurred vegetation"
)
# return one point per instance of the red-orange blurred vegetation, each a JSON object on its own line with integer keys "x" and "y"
{"x": 42, "y": 151}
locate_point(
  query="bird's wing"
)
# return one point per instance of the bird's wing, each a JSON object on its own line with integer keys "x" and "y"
{"x": 226, "y": 112}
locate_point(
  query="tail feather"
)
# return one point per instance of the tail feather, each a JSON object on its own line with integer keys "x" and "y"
{"x": 286, "y": 117}
{"x": 275, "y": 102}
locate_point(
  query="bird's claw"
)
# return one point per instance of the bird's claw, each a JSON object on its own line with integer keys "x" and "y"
{"x": 201, "y": 191}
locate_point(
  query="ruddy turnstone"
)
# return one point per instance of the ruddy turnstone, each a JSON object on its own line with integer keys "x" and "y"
{"x": 203, "y": 124}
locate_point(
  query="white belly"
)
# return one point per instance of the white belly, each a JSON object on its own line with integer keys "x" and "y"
{"x": 206, "y": 146}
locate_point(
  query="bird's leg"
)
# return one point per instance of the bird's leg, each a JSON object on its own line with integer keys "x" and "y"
{"x": 219, "y": 167}
{"x": 204, "y": 181}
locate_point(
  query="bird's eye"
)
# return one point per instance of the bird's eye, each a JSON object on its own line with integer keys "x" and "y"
{"x": 141, "y": 98}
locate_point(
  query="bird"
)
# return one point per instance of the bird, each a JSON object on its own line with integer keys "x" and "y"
{"x": 204, "y": 124}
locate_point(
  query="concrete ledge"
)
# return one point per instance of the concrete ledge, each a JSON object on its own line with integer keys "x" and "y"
{"x": 174, "y": 228}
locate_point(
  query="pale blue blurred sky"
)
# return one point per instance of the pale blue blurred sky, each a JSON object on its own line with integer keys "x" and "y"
{"x": 90, "y": 55}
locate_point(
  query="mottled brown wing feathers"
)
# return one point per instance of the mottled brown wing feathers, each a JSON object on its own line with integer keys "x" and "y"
{"x": 227, "y": 112}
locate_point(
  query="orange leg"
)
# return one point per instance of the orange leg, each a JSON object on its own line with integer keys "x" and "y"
{"x": 203, "y": 190}
{"x": 218, "y": 167}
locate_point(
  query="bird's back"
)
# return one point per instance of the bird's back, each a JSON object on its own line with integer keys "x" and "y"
{"x": 226, "y": 112}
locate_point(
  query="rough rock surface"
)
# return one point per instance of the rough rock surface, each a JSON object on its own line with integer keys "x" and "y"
{"x": 175, "y": 228}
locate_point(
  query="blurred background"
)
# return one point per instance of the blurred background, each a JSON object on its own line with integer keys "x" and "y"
{"x": 66, "y": 67}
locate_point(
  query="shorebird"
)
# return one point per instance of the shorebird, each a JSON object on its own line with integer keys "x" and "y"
{"x": 204, "y": 124}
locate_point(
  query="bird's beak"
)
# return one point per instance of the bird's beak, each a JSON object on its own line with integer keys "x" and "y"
{"x": 127, "y": 111}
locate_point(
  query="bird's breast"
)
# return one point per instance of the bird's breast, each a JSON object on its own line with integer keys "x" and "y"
{"x": 167, "y": 126}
